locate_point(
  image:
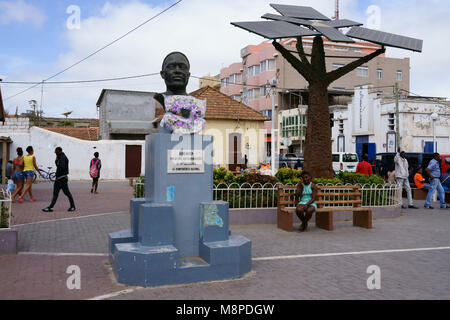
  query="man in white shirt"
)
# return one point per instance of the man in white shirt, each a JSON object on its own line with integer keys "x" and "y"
{"x": 402, "y": 177}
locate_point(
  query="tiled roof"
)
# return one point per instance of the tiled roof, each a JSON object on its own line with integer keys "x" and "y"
{"x": 90, "y": 134}
{"x": 222, "y": 107}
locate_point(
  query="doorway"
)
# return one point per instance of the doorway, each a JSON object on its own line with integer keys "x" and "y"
{"x": 364, "y": 147}
{"x": 235, "y": 153}
{"x": 133, "y": 161}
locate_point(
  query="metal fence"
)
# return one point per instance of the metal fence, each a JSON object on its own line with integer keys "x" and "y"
{"x": 258, "y": 196}
{"x": 5, "y": 209}
{"x": 139, "y": 189}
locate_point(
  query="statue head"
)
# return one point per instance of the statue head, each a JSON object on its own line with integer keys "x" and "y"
{"x": 175, "y": 72}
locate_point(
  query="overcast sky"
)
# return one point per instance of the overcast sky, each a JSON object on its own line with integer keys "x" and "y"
{"x": 36, "y": 43}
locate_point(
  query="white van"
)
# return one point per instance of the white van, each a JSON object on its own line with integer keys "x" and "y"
{"x": 345, "y": 161}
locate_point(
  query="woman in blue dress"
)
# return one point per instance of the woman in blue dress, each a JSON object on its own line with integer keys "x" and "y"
{"x": 307, "y": 193}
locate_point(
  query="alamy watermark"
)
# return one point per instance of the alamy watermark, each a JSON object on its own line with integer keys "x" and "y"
{"x": 74, "y": 20}
{"x": 74, "y": 280}
{"x": 374, "y": 281}
{"x": 374, "y": 17}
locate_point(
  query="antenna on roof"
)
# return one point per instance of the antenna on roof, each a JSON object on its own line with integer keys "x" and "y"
{"x": 336, "y": 10}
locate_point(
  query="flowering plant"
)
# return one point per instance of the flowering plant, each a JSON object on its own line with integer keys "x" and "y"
{"x": 184, "y": 114}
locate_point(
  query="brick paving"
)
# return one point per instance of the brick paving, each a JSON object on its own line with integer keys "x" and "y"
{"x": 44, "y": 277}
{"x": 112, "y": 197}
{"x": 404, "y": 275}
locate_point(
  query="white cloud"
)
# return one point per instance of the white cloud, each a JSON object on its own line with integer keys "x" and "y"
{"x": 201, "y": 29}
{"x": 20, "y": 11}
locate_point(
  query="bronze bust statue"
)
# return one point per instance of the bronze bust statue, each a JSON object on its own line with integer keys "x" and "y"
{"x": 178, "y": 112}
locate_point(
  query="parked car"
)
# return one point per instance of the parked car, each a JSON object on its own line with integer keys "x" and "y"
{"x": 344, "y": 161}
{"x": 290, "y": 160}
{"x": 384, "y": 162}
{"x": 445, "y": 165}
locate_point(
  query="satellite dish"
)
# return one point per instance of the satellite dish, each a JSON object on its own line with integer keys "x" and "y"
{"x": 66, "y": 114}
{"x": 287, "y": 142}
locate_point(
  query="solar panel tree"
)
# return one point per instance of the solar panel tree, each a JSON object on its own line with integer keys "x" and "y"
{"x": 297, "y": 22}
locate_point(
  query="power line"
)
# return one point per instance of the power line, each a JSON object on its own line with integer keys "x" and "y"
{"x": 157, "y": 73}
{"x": 82, "y": 81}
{"x": 97, "y": 51}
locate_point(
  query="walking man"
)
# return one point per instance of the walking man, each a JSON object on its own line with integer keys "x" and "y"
{"x": 402, "y": 177}
{"x": 434, "y": 172}
{"x": 62, "y": 172}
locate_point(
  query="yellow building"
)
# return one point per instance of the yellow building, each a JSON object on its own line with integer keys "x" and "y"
{"x": 238, "y": 130}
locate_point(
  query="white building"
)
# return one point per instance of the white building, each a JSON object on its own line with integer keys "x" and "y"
{"x": 113, "y": 153}
{"x": 368, "y": 124}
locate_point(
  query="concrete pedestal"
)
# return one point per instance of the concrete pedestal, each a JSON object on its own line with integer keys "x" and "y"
{"x": 178, "y": 233}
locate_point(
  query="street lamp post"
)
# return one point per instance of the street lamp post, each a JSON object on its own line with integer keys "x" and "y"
{"x": 434, "y": 117}
{"x": 272, "y": 143}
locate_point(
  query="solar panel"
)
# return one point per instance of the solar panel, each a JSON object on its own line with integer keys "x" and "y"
{"x": 274, "y": 29}
{"x": 331, "y": 33}
{"x": 277, "y": 17}
{"x": 343, "y": 23}
{"x": 386, "y": 39}
{"x": 299, "y": 12}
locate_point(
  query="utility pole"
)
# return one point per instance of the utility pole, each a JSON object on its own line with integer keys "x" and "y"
{"x": 40, "y": 107}
{"x": 397, "y": 116}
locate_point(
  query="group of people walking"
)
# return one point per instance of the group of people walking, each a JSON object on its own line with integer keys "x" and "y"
{"x": 23, "y": 176}
{"x": 307, "y": 191}
{"x": 434, "y": 173}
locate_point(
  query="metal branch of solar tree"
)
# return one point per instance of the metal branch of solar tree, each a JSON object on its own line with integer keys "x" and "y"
{"x": 297, "y": 22}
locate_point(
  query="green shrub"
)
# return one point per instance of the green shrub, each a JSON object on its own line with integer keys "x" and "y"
{"x": 223, "y": 175}
{"x": 357, "y": 178}
{"x": 288, "y": 175}
{"x": 220, "y": 173}
{"x": 4, "y": 216}
{"x": 325, "y": 181}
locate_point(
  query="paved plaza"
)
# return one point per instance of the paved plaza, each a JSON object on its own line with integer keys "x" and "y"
{"x": 412, "y": 253}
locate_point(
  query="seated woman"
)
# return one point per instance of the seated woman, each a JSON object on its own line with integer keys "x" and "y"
{"x": 307, "y": 193}
{"x": 419, "y": 181}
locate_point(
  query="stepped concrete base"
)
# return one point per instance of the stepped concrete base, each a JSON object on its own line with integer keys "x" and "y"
{"x": 138, "y": 265}
{"x": 146, "y": 256}
{"x": 8, "y": 241}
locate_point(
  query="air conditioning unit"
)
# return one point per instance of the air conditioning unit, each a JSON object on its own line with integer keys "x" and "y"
{"x": 273, "y": 82}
